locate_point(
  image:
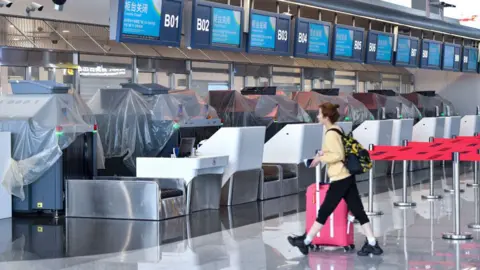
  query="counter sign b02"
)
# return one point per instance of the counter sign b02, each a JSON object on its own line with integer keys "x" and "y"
{"x": 215, "y": 26}
{"x": 152, "y": 22}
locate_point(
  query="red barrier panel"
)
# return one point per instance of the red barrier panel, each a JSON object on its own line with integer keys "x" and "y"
{"x": 417, "y": 152}
{"x": 439, "y": 150}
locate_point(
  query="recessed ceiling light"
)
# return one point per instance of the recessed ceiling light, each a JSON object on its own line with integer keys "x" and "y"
{"x": 11, "y": 25}
{"x": 66, "y": 31}
{"x": 16, "y": 39}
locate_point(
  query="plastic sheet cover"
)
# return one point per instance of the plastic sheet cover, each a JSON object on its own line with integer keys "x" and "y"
{"x": 194, "y": 106}
{"x": 350, "y": 108}
{"x": 127, "y": 126}
{"x": 279, "y": 108}
{"x": 393, "y": 105}
{"x": 42, "y": 126}
{"x": 235, "y": 110}
{"x": 179, "y": 106}
{"x": 428, "y": 104}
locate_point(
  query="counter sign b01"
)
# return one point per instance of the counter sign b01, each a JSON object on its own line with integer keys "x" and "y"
{"x": 153, "y": 22}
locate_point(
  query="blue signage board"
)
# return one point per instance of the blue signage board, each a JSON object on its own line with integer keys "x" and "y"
{"x": 216, "y": 26}
{"x": 269, "y": 33}
{"x": 153, "y": 22}
{"x": 451, "y": 57}
{"x": 226, "y": 26}
{"x": 380, "y": 48}
{"x": 431, "y": 54}
{"x": 312, "y": 39}
{"x": 348, "y": 43}
{"x": 407, "y": 51}
{"x": 470, "y": 59}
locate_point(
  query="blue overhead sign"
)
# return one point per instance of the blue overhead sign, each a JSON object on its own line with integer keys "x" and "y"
{"x": 262, "y": 31}
{"x": 154, "y": 22}
{"x": 431, "y": 54}
{"x": 226, "y": 26}
{"x": 216, "y": 26}
{"x": 312, "y": 39}
{"x": 451, "y": 57}
{"x": 407, "y": 51}
{"x": 348, "y": 43}
{"x": 269, "y": 33}
{"x": 380, "y": 48}
{"x": 470, "y": 59}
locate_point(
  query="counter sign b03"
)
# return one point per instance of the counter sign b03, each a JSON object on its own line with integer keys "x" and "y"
{"x": 152, "y": 22}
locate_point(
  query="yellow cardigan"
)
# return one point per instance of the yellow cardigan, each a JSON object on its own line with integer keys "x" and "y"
{"x": 334, "y": 155}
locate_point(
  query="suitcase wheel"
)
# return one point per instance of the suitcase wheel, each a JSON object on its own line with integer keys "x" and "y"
{"x": 316, "y": 247}
{"x": 349, "y": 248}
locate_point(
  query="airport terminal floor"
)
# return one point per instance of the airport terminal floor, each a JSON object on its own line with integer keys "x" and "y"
{"x": 250, "y": 236}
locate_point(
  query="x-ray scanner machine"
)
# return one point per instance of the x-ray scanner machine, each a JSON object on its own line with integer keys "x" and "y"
{"x": 53, "y": 139}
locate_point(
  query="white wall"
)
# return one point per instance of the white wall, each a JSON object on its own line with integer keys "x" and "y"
{"x": 462, "y": 89}
{"x": 84, "y": 11}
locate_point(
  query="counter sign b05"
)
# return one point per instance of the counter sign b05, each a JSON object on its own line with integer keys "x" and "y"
{"x": 152, "y": 22}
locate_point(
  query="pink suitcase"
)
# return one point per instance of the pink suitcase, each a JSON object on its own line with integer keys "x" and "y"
{"x": 338, "y": 230}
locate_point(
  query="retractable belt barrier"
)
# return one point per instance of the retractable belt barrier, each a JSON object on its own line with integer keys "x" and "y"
{"x": 437, "y": 149}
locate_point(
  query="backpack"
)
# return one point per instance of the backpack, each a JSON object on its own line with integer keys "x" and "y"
{"x": 357, "y": 159}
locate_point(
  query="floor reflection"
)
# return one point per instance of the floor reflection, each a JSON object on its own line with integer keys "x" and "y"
{"x": 250, "y": 236}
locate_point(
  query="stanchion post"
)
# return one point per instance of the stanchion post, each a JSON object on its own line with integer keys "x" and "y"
{"x": 370, "y": 211}
{"x": 404, "y": 203}
{"x": 475, "y": 173}
{"x": 456, "y": 234}
{"x": 431, "y": 195}
{"x": 452, "y": 190}
{"x": 476, "y": 224}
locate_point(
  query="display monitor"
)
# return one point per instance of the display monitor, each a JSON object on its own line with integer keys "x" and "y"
{"x": 380, "y": 48}
{"x": 431, "y": 54}
{"x": 216, "y": 26}
{"x": 153, "y": 22}
{"x": 470, "y": 59}
{"x": 226, "y": 28}
{"x": 312, "y": 39}
{"x": 348, "y": 43}
{"x": 269, "y": 33}
{"x": 407, "y": 51}
{"x": 451, "y": 57}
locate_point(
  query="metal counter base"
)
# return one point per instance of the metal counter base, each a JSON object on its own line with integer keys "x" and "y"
{"x": 128, "y": 198}
{"x": 242, "y": 187}
{"x": 306, "y": 177}
{"x": 284, "y": 181}
{"x": 203, "y": 193}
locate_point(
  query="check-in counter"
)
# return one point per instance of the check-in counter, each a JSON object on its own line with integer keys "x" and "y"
{"x": 284, "y": 171}
{"x": 470, "y": 125}
{"x": 374, "y": 132}
{"x": 244, "y": 148}
{"x": 202, "y": 177}
{"x": 402, "y": 129}
{"x": 164, "y": 188}
{"x": 425, "y": 129}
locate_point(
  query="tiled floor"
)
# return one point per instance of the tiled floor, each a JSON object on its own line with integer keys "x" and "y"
{"x": 251, "y": 236}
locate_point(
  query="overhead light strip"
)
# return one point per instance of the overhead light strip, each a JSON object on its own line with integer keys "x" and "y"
{"x": 374, "y": 19}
